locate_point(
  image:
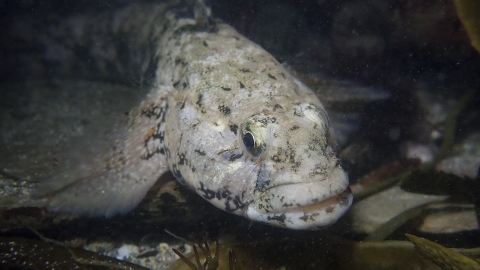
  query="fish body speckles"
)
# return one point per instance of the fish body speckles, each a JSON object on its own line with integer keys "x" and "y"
{"x": 227, "y": 120}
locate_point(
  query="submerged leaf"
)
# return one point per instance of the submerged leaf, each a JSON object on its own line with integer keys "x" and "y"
{"x": 469, "y": 13}
{"x": 442, "y": 256}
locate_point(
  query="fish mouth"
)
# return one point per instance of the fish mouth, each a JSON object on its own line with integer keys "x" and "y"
{"x": 302, "y": 206}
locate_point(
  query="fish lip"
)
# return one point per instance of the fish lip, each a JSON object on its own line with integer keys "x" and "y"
{"x": 281, "y": 198}
{"x": 325, "y": 202}
{"x": 317, "y": 214}
{"x": 339, "y": 198}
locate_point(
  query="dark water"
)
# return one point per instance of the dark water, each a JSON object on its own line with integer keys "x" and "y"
{"x": 417, "y": 74}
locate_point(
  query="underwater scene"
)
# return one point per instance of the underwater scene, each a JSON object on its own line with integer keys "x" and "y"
{"x": 275, "y": 135}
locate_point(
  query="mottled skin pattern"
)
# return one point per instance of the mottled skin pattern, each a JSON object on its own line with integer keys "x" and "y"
{"x": 230, "y": 123}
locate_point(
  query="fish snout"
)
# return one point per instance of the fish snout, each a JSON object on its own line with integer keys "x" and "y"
{"x": 306, "y": 205}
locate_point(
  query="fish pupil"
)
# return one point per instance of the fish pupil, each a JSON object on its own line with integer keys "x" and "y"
{"x": 248, "y": 141}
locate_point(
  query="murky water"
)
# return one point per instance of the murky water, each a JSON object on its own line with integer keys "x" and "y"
{"x": 399, "y": 81}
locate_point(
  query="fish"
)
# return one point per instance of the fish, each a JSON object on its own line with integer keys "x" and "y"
{"x": 220, "y": 113}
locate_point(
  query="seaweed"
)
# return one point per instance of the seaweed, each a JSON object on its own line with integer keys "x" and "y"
{"x": 209, "y": 264}
{"x": 239, "y": 256}
{"x": 442, "y": 256}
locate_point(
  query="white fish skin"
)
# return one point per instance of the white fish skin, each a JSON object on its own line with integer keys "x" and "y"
{"x": 227, "y": 120}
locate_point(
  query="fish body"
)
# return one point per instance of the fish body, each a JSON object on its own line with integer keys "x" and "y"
{"x": 225, "y": 118}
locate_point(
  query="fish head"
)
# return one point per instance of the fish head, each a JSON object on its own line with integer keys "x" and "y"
{"x": 298, "y": 183}
{"x": 272, "y": 166}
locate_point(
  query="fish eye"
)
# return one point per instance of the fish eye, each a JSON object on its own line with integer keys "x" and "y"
{"x": 252, "y": 134}
{"x": 249, "y": 141}
{"x": 255, "y": 147}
